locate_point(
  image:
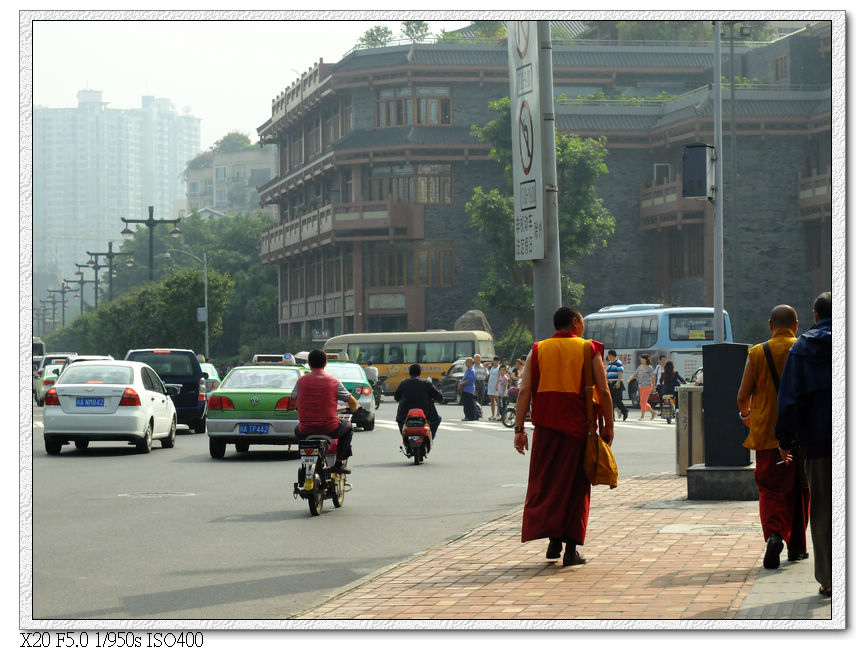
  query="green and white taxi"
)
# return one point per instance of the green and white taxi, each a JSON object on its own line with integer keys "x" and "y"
{"x": 253, "y": 406}
{"x": 354, "y": 379}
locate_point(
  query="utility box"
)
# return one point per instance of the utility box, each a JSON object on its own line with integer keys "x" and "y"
{"x": 689, "y": 428}
{"x": 724, "y": 431}
{"x": 698, "y": 171}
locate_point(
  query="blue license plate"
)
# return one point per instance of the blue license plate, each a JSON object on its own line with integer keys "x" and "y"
{"x": 89, "y": 401}
{"x": 254, "y": 428}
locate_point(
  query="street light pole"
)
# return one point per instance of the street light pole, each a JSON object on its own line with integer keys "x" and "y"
{"x": 95, "y": 265}
{"x": 206, "y": 311}
{"x": 62, "y": 291}
{"x": 151, "y": 223}
{"x": 81, "y": 282}
{"x": 110, "y": 255}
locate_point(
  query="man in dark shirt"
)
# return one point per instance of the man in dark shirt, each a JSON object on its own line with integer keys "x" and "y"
{"x": 805, "y": 411}
{"x": 417, "y": 393}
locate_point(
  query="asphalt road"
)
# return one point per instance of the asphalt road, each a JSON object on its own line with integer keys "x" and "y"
{"x": 178, "y": 535}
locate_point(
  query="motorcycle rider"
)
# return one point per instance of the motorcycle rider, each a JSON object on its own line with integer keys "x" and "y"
{"x": 371, "y": 372}
{"x": 417, "y": 393}
{"x": 316, "y": 394}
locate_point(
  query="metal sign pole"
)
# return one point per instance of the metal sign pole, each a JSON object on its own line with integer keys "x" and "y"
{"x": 718, "y": 321}
{"x": 547, "y": 279}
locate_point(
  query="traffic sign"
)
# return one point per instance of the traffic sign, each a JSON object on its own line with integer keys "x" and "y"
{"x": 526, "y": 138}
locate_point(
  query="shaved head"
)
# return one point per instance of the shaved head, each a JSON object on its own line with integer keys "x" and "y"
{"x": 784, "y": 316}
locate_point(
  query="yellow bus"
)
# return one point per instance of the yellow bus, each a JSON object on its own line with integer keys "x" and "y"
{"x": 393, "y": 352}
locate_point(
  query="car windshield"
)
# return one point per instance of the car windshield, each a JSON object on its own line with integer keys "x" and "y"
{"x": 257, "y": 378}
{"x": 49, "y": 369}
{"x": 94, "y": 374}
{"x": 346, "y": 371}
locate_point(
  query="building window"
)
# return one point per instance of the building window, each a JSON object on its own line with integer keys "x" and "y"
{"x": 410, "y": 184}
{"x": 695, "y": 251}
{"x": 390, "y": 268}
{"x": 238, "y": 172}
{"x": 405, "y": 106}
{"x": 219, "y": 174}
{"x": 435, "y": 264}
{"x": 781, "y": 68}
{"x": 193, "y": 188}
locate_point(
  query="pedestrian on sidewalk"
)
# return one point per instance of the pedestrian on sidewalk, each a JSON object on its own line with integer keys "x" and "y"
{"x": 467, "y": 388}
{"x": 558, "y": 494}
{"x": 805, "y": 407}
{"x": 782, "y": 490}
{"x": 615, "y": 372}
{"x": 645, "y": 376}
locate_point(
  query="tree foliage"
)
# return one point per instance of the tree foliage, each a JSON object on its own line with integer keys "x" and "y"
{"x": 233, "y": 142}
{"x": 378, "y": 36}
{"x": 415, "y": 30}
{"x": 584, "y": 222}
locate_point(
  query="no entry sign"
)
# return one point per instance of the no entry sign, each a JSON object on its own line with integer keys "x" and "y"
{"x": 526, "y": 123}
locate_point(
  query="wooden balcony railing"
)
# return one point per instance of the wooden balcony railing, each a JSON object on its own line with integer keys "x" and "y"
{"x": 815, "y": 195}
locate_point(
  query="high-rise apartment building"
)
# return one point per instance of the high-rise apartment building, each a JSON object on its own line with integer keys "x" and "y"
{"x": 92, "y": 165}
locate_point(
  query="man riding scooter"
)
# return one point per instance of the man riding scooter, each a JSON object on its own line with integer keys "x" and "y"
{"x": 415, "y": 392}
{"x": 316, "y": 395}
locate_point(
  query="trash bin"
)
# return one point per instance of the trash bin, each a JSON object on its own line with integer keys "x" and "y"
{"x": 689, "y": 428}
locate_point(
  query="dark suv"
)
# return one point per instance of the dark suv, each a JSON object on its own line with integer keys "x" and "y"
{"x": 179, "y": 368}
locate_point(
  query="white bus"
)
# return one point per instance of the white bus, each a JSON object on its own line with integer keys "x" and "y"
{"x": 677, "y": 332}
{"x": 393, "y": 352}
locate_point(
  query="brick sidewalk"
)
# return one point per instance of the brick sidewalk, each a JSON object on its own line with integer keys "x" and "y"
{"x": 651, "y": 555}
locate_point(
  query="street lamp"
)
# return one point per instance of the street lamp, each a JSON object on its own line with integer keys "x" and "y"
{"x": 206, "y": 313}
{"x": 95, "y": 265}
{"x": 151, "y": 223}
{"x": 110, "y": 255}
{"x": 63, "y": 290}
{"x": 53, "y": 301}
{"x": 80, "y": 282}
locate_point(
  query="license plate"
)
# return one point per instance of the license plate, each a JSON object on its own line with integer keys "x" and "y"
{"x": 89, "y": 401}
{"x": 254, "y": 428}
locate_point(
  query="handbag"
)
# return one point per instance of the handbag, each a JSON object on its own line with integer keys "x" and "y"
{"x": 599, "y": 463}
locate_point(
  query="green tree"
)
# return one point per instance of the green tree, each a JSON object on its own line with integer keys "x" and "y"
{"x": 378, "y": 36}
{"x": 488, "y": 29}
{"x": 584, "y": 222}
{"x": 664, "y": 30}
{"x": 415, "y": 30}
{"x": 233, "y": 142}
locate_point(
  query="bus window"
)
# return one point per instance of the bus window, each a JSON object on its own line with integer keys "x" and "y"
{"x": 486, "y": 349}
{"x": 608, "y": 327}
{"x": 363, "y": 352}
{"x": 635, "y": 329}
{"x": 409, "y": 352}
{"x": 464, "y": 349}
{"x": 435, "y": 352}
{"x": 393, "y": 353}
{"x": 692, "y": 327}
{"x": 620, "y": 334}
{"x": 649, "y": 333}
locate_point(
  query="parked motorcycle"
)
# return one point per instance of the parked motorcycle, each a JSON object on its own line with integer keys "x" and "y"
{"x": 377, "y": 389}
{"x": 509, "y": 414}
{"x": 416, "y": 436}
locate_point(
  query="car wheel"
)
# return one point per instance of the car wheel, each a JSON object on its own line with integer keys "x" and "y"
{"x": 168, "y": 443}
{"x": 82, "y": 444}
{"x": 146, "y": 444}
{"x": 242, "y": 447}
{"x": 200, "y": 426}
{"x": 52, "y": 446}
{"x": 217, "y": 448}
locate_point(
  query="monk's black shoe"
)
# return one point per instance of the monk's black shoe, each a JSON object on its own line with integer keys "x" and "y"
{"x": 554, "y": 549}
{"x": 795, "y": 557}
{"x": 572, "y": 557}
{"x": 772, "y": 558}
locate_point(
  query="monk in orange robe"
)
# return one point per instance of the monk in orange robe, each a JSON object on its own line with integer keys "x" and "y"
{"x": 557, "y": 498}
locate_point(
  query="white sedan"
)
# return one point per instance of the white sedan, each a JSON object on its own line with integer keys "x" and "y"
{"x": 109, "y": 400}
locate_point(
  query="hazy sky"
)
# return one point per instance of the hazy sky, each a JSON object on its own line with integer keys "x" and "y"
{"x": 225, "y": 72}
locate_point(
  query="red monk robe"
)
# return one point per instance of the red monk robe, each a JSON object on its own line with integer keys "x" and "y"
{"x": 557, "y": 498}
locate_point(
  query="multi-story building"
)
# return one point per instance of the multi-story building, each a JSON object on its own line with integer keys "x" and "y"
{"x": 377, "y": 162}
{"x": 219, "y": 182}
{"x": 92, "y": 165}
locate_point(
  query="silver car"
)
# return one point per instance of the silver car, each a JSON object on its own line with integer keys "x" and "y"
{"x": 109, "y": 400}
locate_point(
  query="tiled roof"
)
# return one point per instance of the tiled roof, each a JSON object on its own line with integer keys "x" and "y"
{"x": 605, "y": 122}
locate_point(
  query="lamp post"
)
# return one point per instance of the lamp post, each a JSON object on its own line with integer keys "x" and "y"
{"x": 206, "y": 313}
{"x": 95, "y": 265}
{"x": 63, "y": 290}
{"x": 110, "y": 255}
{"x": 52, "y": 300}
{"x": 151, "y": 223}
{"x": 80, "y": 282}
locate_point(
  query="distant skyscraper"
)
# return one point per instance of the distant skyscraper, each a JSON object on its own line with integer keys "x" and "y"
{"x": 93, "y": 165}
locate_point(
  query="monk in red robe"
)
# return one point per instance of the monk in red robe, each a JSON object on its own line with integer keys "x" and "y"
{"x": 557, "y": 499}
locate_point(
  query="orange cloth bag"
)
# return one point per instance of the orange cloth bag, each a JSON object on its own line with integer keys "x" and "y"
{"x": 598, "y": 462}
